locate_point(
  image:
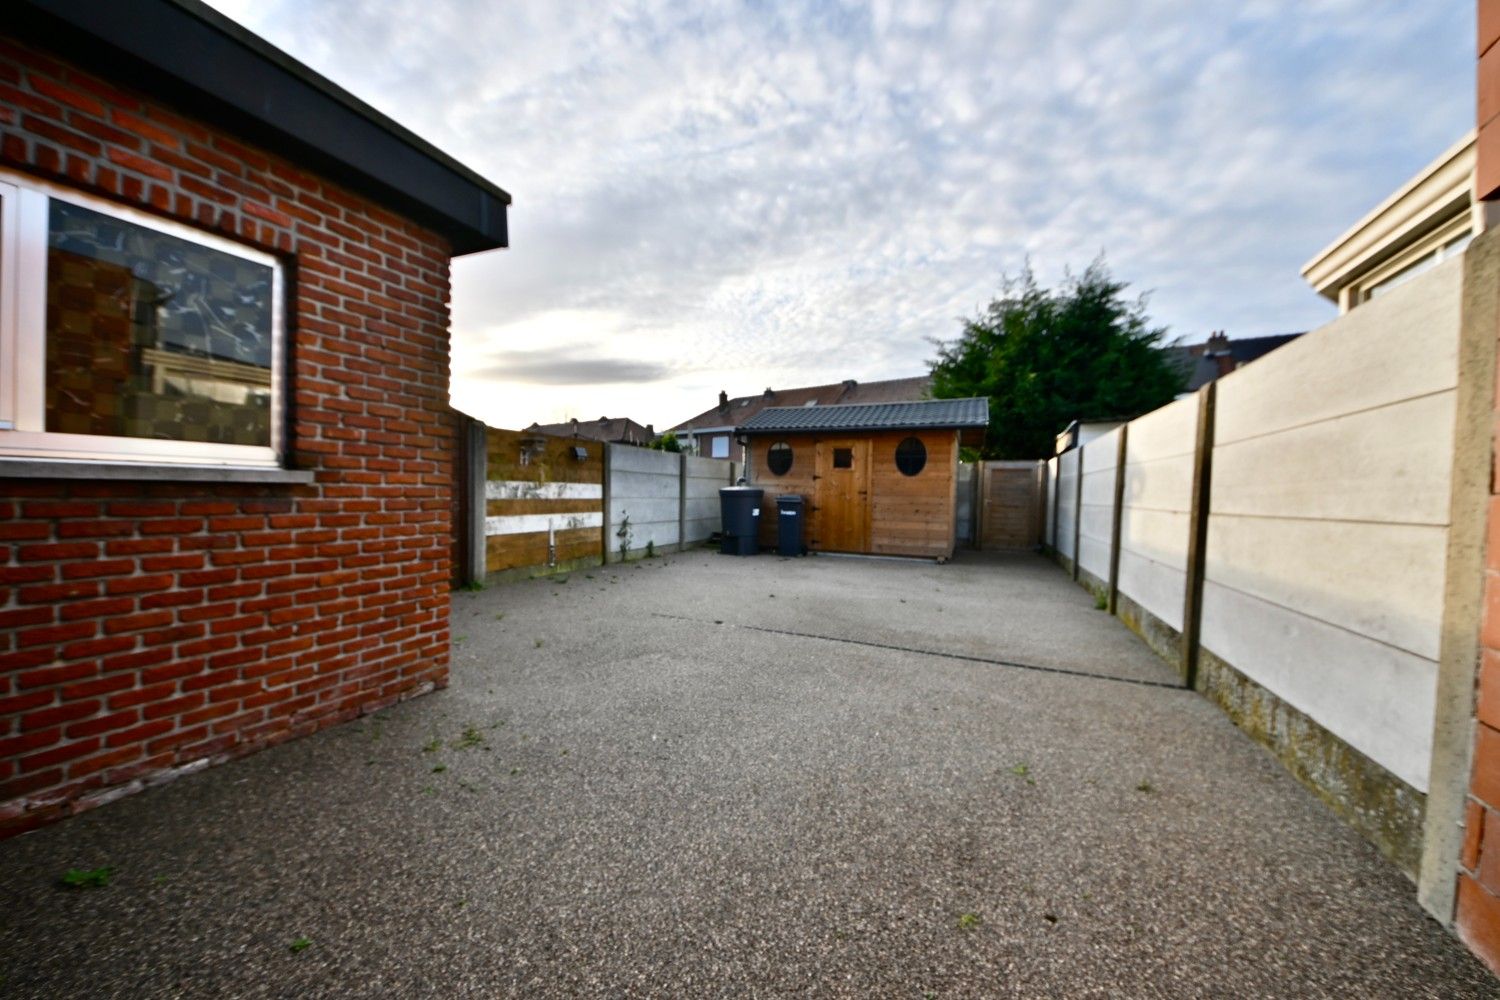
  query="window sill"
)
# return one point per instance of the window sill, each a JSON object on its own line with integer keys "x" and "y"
{"x": 40, "y": 468}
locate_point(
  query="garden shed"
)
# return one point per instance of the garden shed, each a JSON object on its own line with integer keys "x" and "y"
{"x": 878, "y": 478}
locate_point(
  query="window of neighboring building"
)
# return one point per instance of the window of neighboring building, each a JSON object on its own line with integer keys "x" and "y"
{"x": 719, "y": 446}
{"x": 1426, "y": 261}
{"x": 911, "y": 456}
{"x": 779, "y": 458}
{"x": 124, "y": 337}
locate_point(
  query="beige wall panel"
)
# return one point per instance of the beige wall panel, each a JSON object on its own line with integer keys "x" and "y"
{"x": 1380, "y": 580}
{"x": 1157, "y": 587}
{"x": 1388, "y": 464}
{"x": 1164, "y": 483}
{"x": 1168, "y": 431}
{"x": 1374, "y": 697}
{"x": 1399, "y": 346}
{"x": 1158, "y": 535}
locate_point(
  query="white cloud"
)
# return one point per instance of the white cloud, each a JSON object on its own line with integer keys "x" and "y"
{"x": 719, "y": 194}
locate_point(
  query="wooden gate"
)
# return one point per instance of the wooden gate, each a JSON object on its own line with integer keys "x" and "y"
{"x": 1012, "y": 504}
{"x": 842, "y": 496}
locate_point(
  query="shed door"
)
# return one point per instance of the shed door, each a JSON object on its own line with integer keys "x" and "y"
{"x": 842, "y": 495}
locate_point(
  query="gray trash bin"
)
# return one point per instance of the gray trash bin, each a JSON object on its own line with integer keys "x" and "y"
{"x": 739, "y": 509}
{"x": 789, "y": 519}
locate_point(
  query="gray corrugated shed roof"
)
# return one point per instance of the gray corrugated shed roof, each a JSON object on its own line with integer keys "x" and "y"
{"x": 973, "y": 412}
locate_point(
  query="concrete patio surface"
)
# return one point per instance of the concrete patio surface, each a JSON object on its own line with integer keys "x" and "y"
{"x": 701, "y": 776}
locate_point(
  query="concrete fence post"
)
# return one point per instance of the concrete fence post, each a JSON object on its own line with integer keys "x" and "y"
{"x": 1056, "y": 464}
{"x": 1116, "y": 517}
{"x": 1077, "y": 510}
{"x": 1192, "y": 606}
{"x": 476, "y": 474}
{"x": 682, "y": 485}
{"x": 604, "y": 523}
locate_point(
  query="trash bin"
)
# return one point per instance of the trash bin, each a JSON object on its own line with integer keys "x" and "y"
{"x": 739, "y": 509}
{"x": 789, "y": 508}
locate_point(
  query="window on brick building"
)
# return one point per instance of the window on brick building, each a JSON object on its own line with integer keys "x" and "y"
{"x": 128, "y": 338}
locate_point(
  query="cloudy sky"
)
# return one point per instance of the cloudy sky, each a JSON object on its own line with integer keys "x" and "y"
{"x": 734, "y": 195}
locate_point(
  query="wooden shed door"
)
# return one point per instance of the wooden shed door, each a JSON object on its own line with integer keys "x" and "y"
{"x": 842, "y": 496}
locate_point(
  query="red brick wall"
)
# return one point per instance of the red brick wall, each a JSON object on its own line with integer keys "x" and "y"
{"x": 1478, "y": 918}
{"x": 148, "y": 627}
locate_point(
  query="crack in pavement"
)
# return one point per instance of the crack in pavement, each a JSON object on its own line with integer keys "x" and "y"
{"x": 1013, "y": 664}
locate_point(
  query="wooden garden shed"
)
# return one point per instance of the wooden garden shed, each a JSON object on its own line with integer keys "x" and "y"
{"x": 877, "y": 478}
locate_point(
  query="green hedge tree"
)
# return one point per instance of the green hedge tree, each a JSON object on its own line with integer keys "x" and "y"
{"x": 1048, "y": 357}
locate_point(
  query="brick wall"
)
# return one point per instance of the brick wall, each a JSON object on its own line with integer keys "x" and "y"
{"x": 150, "y": 628}
{"x": 1478, "y": 917}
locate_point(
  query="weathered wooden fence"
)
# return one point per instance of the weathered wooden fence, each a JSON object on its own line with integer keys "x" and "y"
{"x": 529, "y": 504}
{"x": 1012, "y": 504}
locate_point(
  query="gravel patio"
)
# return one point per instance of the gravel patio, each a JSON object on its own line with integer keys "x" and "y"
{"x": 700, "y": 776}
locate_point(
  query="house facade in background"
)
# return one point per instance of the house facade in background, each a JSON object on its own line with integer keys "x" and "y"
{"x": 611, "y": 430}
{"x": 711, "y": 433}
{"x": 878, "y": 478}
{"x": 1429, "y": 219}
{"x": 226, "y": 456}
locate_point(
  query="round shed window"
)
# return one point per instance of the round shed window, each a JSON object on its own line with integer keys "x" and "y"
{"x": 779, "y": 458}
{"x": 911, "y": 456}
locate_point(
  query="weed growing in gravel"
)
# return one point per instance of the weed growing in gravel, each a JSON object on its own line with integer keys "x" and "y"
{"x": 515, "y": 770}
{"x": 969, "y": 921}
{"x": 539, "y": 644}
{"x": 433, "y": 745}
{"x": 473, "y": 586}
{"x": 460, "y": 638}
{"x": 1022, "y": 771}
{"x": 470, "y": 737}
{"x": 1146, "y": 787}
{"x": 500, "y": 617}
{"x": 1100, "y": 602}
{"x": 301, "y": 944}
{"x": 439, "y": 769}
{"x": 87, "y": 878}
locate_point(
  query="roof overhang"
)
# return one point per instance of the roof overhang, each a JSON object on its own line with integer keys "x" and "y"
{"x": 1438, "y": 195}
{"x": 186, "y": 54}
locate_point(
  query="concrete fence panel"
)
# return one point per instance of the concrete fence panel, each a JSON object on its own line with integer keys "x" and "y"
{"x": 1154, "y": 520}
{"x": 661, "y": 501}
{"x": 1096, "y": 512}
{"x": 1067, "y": 503}
{"x": 1328, "y": 521}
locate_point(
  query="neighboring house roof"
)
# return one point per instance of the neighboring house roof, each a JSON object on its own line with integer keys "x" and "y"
{"x": 189, "y": 55}
{"x": 734, "y": 412}
{"x": 972, "y": 412}
{"x": 1216, "y": 357}
{"x": 620, "y": 430}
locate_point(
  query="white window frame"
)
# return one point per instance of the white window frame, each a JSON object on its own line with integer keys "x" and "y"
{"x": 23, "y": 340}
{"x": 715, "y": 443}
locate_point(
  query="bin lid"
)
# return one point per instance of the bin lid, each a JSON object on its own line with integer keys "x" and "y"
{"x": 741, "y": 489}
{"x": 790, "y": 500}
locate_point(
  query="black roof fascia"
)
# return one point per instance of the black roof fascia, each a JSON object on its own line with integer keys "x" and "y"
{"x": 186, "y": 54}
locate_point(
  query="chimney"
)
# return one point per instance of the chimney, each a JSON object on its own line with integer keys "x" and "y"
{"x": 650, "y": 431}
{"x": 1218, "y": 343}
{"x": 723, "y": 400}
{"x": 768, "y": 394}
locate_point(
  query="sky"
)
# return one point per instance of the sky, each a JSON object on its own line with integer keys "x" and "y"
{"x": 734, "y": 195}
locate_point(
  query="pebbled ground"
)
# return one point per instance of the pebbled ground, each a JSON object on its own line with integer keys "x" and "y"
{"x": 619, "y": 798}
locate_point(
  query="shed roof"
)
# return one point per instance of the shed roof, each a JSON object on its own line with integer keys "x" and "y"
{"x": 972, "y": 412}
{"x": 741, "y": 408}
{"x": 187, "y": 54}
